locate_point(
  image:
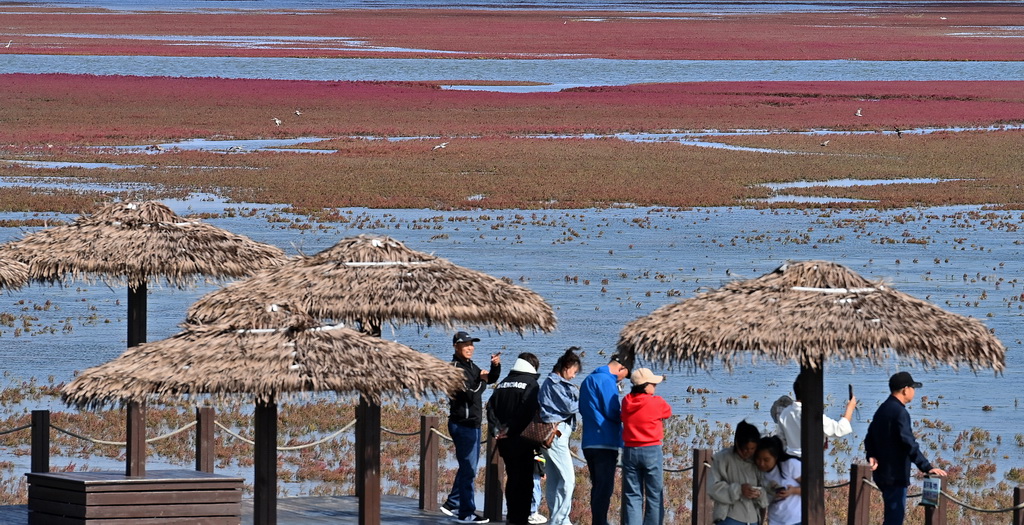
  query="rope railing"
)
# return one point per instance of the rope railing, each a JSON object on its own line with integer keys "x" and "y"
{"x": 121, "y": 443}
{"x": 16, "y": 429}
{"x": 396, "y": 433}
{"x": 320, "y": 441}
{"x": 952, "y": 498}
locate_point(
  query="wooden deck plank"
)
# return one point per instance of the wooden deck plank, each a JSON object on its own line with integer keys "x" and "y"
{"x": 308, "y": 511}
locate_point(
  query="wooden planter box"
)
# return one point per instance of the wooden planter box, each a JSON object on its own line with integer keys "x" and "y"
{"x": 112, "y": 498}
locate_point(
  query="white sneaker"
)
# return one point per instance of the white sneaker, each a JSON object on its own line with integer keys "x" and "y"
{"x": 536, "y": 518}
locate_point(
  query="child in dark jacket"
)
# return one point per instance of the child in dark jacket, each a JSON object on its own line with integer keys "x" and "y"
{"x": 643, "y": 415}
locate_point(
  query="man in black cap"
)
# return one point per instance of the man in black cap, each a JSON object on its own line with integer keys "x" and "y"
{"x": 890, "y": 447}
{"x": 464, "y": 418}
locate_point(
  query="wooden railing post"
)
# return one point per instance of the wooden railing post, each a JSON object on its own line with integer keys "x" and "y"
{"x": 859, "y": 510}
{"x": 40, "y": 441}
{"x": 937, "y": 515}
{"x": 135, "y": 453}
{"x": 494, "y": 495}
{"x": 428, "y": 463}
{"x": 701, "y": 504}
{"x": 1018, "y": 498}
{"x": 205, "y": 453}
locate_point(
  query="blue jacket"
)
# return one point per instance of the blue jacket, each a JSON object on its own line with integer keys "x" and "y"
{"x": 891, "y": 442}
{"x": 600, "y": 410}
{"x": 559, "y": 400}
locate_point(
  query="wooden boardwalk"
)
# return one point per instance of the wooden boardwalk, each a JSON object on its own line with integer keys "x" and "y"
{"x": 307, "y": 511}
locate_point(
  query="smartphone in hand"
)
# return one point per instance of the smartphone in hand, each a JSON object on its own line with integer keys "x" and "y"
{"x": 851, "y": 391}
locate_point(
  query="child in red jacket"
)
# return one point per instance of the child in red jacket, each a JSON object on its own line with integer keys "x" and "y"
{"x": 643, "y": 414}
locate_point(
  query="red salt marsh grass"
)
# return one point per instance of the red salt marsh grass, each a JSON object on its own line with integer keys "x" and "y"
{"x": 66, "y": 110}
{"x": 935, "y": 33}
{"x": 50, "y": 117}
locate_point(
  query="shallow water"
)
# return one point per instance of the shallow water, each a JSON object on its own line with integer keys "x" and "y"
{"x": 601, "y": 269}
{"x": 560, "y": 73}
{"x": 726, "y": 6}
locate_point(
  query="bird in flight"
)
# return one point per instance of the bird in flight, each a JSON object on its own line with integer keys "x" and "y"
{"x": 277, "y": 121}
{"x": 297, "y": 112}
{"x": 858, "y": 113}
{"x": 440, "y": 146}
{"x": 899, "y": 134}
{"x": 823, "y": 144}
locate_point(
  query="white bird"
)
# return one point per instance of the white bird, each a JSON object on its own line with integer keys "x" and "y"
{"x": 440, "y": 146}
{"x": 277, "y": 121}
{"x": 942, "y": 18}
{"x": 9, "y": 42}
{"x": 858, "y": 113}
{"x": 297, "y": 112}
{"x": 823, "y": 144}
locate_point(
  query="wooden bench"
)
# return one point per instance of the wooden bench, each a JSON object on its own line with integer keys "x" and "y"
{"x": 112, "y": 498}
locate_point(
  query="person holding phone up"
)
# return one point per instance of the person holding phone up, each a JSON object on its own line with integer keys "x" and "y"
{"x": 789, "y": 422}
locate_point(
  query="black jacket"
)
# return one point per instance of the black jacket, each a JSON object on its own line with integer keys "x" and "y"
{"x": 466, "y": 406}
{"x": 891, "y": 442}
{"x": 514, "y": 401}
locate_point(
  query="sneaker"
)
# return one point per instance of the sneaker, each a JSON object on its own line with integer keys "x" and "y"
{"x": 473, "y": 518}
{"x": 536, "y": 518}
{"x": 449, "y": 508}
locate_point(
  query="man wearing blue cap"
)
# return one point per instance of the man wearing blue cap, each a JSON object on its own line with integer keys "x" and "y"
{"x": 464, "y": 418}
{"x": 890, "y": 447}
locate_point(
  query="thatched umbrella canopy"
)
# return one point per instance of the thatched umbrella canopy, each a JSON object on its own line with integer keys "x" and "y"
{"x": 265, "y": 364}
{"x": 368, "y": 280}
{"x": 137, "y": 243}
{"x": 809, "y": 312}
{"x": 13, "y": 274}
{"x": 371, "y": 280}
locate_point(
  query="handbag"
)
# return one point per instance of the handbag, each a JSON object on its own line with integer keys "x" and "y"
{"x": 539, "y": 433}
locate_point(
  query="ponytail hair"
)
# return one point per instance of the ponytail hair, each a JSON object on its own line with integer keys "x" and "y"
{"x": 745, "y": 433}
{"x": 567, "y": 360}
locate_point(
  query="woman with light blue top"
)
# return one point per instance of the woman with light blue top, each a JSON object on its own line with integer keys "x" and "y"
{"x": 559, "y": 403}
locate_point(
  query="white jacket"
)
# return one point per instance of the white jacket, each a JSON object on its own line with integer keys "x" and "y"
{"x": 789, "y": 427}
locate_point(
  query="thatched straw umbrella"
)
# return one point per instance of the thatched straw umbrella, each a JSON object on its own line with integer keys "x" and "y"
{"x": 13, "y": 274}
{"x": 809, "y": 312}
{"x": 135, "y": 244}
{"x": 265, "y": 365}
{"x": 369, "y": 280}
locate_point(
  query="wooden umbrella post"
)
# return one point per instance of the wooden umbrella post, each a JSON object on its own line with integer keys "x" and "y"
{"x": 135, "y": 453}
{"x": 812, "y": 440}
{"x": 368, "y": 448}
{"x": 265, "y": 452}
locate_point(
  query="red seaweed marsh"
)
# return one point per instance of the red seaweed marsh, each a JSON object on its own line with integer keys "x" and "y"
{"x": 609, "y": 201}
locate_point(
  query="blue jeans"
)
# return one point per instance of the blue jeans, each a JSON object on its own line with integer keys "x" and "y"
{"x": 642, "y": 477}
{"x": 894, "y": 502}
{"x": 561, "y": 477}
{"x": 467, "y": 452}
{"x": 601, "y": 464}
{"x": 538, "y": 493}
